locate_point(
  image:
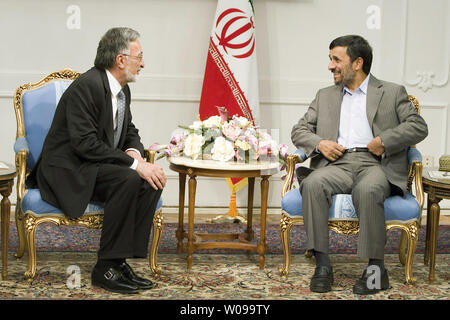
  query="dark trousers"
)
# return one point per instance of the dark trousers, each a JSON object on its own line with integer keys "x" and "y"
{"x": 129, "y": 206}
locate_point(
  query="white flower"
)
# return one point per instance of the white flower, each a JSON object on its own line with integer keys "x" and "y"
{"x": 212, "y": 122}
{"x": 250, "y": 136}
{"x": 274, "y": 146}
{"x": 193, "y": 145}
{"x": 242, "y": 122}
{"x": 222, "y": 150}
{"x": 197, "y": 125}
{"x": 242, "y": 145}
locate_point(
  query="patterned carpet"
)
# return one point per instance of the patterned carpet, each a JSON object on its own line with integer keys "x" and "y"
{"x": 218, "y": 274}
{"x": 221, "y": 276}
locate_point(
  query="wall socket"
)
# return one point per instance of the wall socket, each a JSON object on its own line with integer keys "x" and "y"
{"x": 428, "y": 161}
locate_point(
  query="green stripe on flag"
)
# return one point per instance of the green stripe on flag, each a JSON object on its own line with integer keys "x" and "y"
{"x": 251, "y": 3}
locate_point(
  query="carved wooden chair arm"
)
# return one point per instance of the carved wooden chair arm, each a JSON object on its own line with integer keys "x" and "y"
{"x": 291, "y": 161}
{"x": 416, "y": 171}
{"x": 21, "y": 168}
{"x": 149, "y": 155}
{"x": 415, "y": 174}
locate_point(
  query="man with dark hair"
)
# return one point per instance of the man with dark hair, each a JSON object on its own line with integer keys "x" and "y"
{"x": 93, "y": 151}
{"x": 356, "y": 134}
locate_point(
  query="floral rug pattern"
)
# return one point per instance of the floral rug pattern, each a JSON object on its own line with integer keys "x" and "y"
{"x": 220, "y": 277}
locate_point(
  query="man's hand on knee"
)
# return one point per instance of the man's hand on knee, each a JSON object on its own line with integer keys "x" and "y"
{"x": 153, "y": 174}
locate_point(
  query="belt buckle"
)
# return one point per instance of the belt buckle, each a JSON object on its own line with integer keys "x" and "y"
{"x": 353, "y": 149}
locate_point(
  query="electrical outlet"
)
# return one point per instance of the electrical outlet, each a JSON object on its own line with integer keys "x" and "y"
{"x": 428, "y": 161}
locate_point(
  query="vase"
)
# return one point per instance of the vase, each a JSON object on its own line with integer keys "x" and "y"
{"x": 244, "y": 155}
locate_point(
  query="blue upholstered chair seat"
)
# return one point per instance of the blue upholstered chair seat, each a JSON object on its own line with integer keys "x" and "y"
{"x": 395, "y": 208}
{"x": 32, "y": 202}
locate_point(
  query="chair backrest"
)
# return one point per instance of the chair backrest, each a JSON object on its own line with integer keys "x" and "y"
{"x": 35, "y": 106}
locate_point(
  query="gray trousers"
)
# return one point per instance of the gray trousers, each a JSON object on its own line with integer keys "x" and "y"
{"x": 359, "y": 174}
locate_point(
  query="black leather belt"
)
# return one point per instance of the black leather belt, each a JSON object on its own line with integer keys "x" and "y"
{"x": 356, "y": 149}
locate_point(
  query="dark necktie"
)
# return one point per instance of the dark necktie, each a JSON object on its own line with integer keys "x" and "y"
{"x": 120, "y": 112}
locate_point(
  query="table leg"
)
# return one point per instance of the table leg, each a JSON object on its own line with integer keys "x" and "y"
{"x": 262, "y": 241}
{"x": 426, "y": 256}
{"x": 251, "y": 189}
{"x": 180, "y": 231}
{"x": 434, "y": 226}
{"x": 190, "y": 243}
{"x": 5, "y": 216}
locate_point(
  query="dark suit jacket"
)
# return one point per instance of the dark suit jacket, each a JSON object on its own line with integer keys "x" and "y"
{"x": 80, "y": 138}
{"x": 390, "y": 114}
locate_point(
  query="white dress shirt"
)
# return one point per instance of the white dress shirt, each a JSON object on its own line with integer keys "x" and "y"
{"x": 354, "y": 128}
{"x": 115, "y": 88}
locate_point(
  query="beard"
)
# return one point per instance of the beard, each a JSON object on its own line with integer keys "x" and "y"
{"x": 347, "y": 76}
{"x": 131, "y": 77}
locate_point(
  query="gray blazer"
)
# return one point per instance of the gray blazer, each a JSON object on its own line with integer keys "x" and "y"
{"x": 391, "y": 116}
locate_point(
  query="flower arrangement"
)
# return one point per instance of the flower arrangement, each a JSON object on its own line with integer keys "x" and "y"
{"x": 223, "y": 139}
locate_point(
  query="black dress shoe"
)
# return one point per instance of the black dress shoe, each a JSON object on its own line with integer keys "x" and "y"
{"x": 113, "y": 280}
{"x": 142, "y": 283}
{"x": 322, "y": 279}
{"x": 366, "y": 285}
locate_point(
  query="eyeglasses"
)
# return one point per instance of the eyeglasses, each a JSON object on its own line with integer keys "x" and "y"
{"x": 139, "y": 57}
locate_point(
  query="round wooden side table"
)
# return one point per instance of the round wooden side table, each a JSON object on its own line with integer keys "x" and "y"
{"x": 7, "y": 175}
{"x": 210, "y": 168}
{"x": 436, "y": 189}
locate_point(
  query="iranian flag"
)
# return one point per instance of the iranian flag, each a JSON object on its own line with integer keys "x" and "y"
{"x": 231, "y": 77}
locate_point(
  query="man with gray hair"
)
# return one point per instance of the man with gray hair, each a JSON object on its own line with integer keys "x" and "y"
{"x": 93, "y": 152}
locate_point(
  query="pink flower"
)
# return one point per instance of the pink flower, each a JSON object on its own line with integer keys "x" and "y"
{"x": 283, "y": 150}
{"x": 250, "y": 137}
{"x": 177, "y": 139}
{"x": 172, "y": 150}
{"x": 231, "y": 131}
{"x": 156, "y": 147}
{"x": 264, "y": 149}
{"x": 223, "y": 112}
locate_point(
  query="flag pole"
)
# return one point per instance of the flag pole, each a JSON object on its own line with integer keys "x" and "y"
{"x": 232, "y": 210}
{"x": 232, "y": 215}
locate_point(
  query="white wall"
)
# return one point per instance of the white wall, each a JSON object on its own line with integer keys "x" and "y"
{"x": 411, "y": 41}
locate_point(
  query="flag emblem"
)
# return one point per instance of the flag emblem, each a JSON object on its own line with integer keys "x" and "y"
{"x": 235, "y": 31}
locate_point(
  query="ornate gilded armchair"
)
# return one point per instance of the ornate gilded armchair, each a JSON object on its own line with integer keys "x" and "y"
{"x": 402, "y": 213}
{"x": 35, "y": 105}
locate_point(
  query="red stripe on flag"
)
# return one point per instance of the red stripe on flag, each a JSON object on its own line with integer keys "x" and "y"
{"x": 220, "y": 88}
{"x": 235, "y": 180}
